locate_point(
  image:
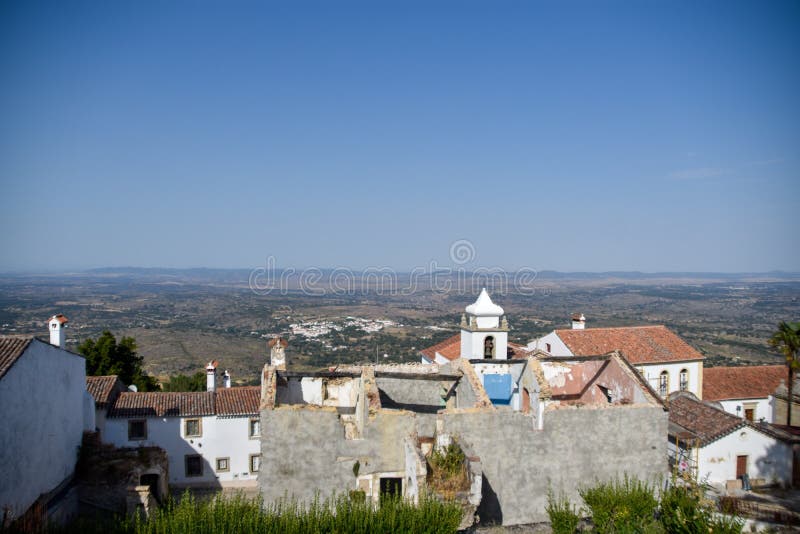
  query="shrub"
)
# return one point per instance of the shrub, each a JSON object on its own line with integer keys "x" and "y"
{"x": 621, "y": 506}
{"x": 563, "y": 515}
{"x": 684, "y": 512}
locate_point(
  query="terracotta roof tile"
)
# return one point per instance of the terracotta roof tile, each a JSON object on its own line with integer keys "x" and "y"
{"x": 722, "y": 383}
{"x": 238, "y": 400}
{"x": 104, "y": 389}
{"x": 162, "y": 404}
{"x": 639, "y": 344}
{"x": 705, "y": 422}
{"x": 226, "y": 401}
{"x": 450, "y": 348}
{"x": 11, "y": 348}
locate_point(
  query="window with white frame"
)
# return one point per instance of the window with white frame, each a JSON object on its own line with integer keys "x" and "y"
{"x": 684, "y": 379}
{"x": 663, "y": 383}
{"x": 255, "y": 428}
{"x": 223, "y": 465}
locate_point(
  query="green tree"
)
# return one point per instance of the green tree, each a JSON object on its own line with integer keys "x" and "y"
{"x": 104, "y": 356}
{"x": 787, "y": 340}
{"x": 196, "y": 382}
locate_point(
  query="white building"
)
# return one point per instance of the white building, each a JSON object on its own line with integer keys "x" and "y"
{"x": 718, "y": 447}
{"x": 665, "y": 360}
{"x": 212, "y": 438}
{"x": 745, "y": 391}
{"x": 44, "y": 410}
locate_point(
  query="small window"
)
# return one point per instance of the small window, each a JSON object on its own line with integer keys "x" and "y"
{"x": 663, "y": 383}
{"x": 255, "y": 463}
{"x": 223, "y": 465}
{"x": 255, "y": 428}
{"x": 192, "y": 428}
{"x": 750, "y": 414}
{"x": 547, "y": 347}
{"x": 137, "y": 430}
{"x": 194, "y": 465}
{"x": 684, "y": 380}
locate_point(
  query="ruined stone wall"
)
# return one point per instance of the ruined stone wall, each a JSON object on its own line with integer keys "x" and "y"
{"x": 304, "y": 451}
{"x": 576, "y": 447}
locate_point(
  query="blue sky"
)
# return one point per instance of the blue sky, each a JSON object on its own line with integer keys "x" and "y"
{"x": 579, "y": 136}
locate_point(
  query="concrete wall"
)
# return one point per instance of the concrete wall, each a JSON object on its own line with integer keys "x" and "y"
{"x": 767, "y": 458}
{"x": 222, "y": 437}
{"x": 41, "y": 424}
{"x": 575, "y": 447}
{"x": 779, "y": 411}
{"x": 305, "y": 451}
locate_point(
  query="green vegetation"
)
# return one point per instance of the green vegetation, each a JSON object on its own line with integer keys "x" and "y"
{"x": 104, "y": 356}
{"x": 447, "y": 474}
{"x": 787, "y": 340}
{"x": 631, "y": 506}
{"x": 241, "y": 515}
{"x": 196, "y": 382}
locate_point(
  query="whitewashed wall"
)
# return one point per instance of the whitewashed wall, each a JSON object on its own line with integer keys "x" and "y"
{"x": 768, "y": 458}
{"x": 41, "y": 423}
{"x": 763, "y": 407}
{"x": 223, "y": 437}
{"x": 557, "y": 347}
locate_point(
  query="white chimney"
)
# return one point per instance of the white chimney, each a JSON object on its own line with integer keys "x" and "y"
{"x": 58, "y": 325}
{"x": 578, "y": 321}
{"x": 277, "y": 352}
{"x": 226, "y": 379}
{"x": 211, "y": 376}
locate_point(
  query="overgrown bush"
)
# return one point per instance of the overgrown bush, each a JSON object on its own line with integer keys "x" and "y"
{"x": 448, "y": 471}
{"x": 622, "y": 506}
{"x": 684, "y": 512}
{"x": 563, "y": 515}
{"x": 241, "y": 515}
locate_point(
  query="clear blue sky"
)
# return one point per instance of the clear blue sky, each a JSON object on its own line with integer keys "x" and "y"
{"x": 642, "y": 135}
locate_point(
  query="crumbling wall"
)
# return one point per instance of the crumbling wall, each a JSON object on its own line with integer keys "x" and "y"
{"x": 305, "y": 451}
{"x": 575, "y": 447}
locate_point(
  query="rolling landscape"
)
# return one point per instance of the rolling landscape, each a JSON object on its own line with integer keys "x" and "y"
{"x": 181, "y": 319}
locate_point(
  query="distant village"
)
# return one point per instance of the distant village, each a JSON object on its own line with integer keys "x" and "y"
{"x": 576, "y": 405}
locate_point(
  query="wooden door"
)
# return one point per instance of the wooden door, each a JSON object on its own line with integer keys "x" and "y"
{"x": 741, "y": 466}
{"x": 526, "y": 400}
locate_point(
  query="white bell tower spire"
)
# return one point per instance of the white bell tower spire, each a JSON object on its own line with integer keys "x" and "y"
{"x": 484, "y": 330}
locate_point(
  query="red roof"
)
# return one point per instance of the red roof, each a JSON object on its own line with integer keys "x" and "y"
{"x": 11, "y": 348}
{"x": 704, "y": 422}
{"x": 104, "y": 389}
{"x": 756, "y": 382}
{"x": 60, "y": 318}
{"x": 226, "y": 401}
{"x": 639, "y": 344}
{"x": 450, "y": 348}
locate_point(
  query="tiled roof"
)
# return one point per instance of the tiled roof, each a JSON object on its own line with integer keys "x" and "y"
{"x": 104, "y": 389}
{"x": 226, "y": 401}
{"x": 756, "y": 382}
{"x": 450, "y": 348}
{"x": 242, "y": 400}
{"x": 60, "y": 318}
{"x": 163, "y": 404}
{"x": 11, "y": 348}
{"x": 639, "y": 344}
{"x": 704, "y": 422}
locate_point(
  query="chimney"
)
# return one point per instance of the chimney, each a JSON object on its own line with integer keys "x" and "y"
{"x": 578, "y": 321}
{"x": 277, "y": 352}
{"x": 211, "y": 376}
{"x": 57, "y": 325}
{"x": 226, "y": 379}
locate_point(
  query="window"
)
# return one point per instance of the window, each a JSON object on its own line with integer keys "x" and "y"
{"x": 391, "y": 487}
{"x": 488, "y": 347}
{"x": 223, "y": 465}
{"x": 547, "y": 347}
{"x": 684, "y": 380}
{"x": 137, "y": 430}
{"x": 750, "y": 411}
{"x": 192, "y": 428}
{"x": 255, "y": 463}
{"x": 663, "y": 383}
{"x": 255, "y": 428}
{"x": 194, "y": 465}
